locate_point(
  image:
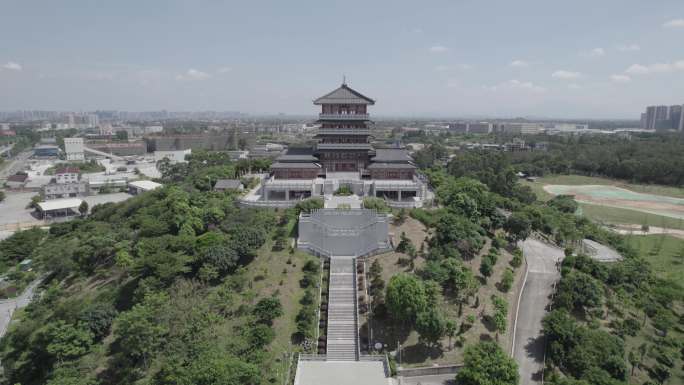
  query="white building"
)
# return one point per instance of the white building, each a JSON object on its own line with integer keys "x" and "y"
{"x": 73, "y": 147}
{"x": 141, "y": 186}
{"x": 67, "y": 175}
{"x": 173, "y": 156}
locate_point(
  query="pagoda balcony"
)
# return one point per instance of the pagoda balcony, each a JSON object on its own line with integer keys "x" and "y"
{"x": 343, "y": 131}
{"x": 344, "y": 117}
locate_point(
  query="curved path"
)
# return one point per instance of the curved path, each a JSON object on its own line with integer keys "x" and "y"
{"x": 8, "y": 306}
{"x": 528, "y": 349}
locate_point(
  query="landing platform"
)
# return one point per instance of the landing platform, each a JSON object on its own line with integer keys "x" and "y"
{"x": 341, "y": 373}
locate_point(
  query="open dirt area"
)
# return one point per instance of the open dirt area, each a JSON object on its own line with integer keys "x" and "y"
{"x": 618, "y": 197}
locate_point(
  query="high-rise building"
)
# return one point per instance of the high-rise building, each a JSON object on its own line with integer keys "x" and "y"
{"x": 93, "y": 120}
{"x": 675, "y": 116}
{"x": 73, "y": 147}
{"x": 662, "y": 117}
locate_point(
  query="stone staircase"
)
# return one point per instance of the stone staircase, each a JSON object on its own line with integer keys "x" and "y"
{"x": 343, "y": 332}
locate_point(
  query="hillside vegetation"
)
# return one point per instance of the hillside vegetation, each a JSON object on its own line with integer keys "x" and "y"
{"x": 159, "y": 289}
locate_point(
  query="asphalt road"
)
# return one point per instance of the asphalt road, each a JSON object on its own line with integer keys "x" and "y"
{"x": 542, "y": 274}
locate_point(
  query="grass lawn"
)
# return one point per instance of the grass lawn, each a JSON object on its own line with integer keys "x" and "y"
{"x": 605, "y": 214}
{"x": 269, "y": 274}
{"x": 661, "y": 251}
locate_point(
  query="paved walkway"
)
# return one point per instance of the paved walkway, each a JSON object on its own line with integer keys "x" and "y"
{"x": 8, "y": 306}
{"x": 542, "y": 274}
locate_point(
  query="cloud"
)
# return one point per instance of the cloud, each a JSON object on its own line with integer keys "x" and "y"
{"x": 438, "y": 48}
{"x": 417, "y": 30}
{"x": 519, "y": 63}
{"x": 597, "y": 52}
{"x": 517, "y": 84}
{"x": 574, "y": 86}
{"x": 618, "y": 78}
{"x": 224, "y": 70}
{"x": 675, "y": 23}
{"x": 639, "y": 69}
{"x": 193, "y": 74}
{"x": 12, "y": 66}
{"x": 566, "y": 75}
{"x": 458, "y": 67}
{"x": 628, "y": 48}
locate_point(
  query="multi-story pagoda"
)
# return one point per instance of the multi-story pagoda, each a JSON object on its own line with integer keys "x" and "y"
{"x": 343, "y": 144}
{"x": 343, "y": 156}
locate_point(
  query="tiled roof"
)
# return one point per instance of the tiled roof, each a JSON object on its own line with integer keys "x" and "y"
{"x": 391, "y": 155}
{"x": 287, "y": 158}
{"x": 375, "y": 166}
{"x": 344, "y": 95}
{"x": 17, "y": 178}
{"x": 279, "y": 165}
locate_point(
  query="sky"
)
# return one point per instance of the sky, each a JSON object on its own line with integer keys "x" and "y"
{"x": 580, "y": 59}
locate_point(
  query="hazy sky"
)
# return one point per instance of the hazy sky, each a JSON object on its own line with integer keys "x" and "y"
{"x": 557, "y": 58}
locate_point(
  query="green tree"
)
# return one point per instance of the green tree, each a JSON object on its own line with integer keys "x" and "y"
{"x": 500, "y": 316}
{"x": 580, "y": 291}
{"x": 405, "y": 297}
{"x": 454, "y": 235}
{"x": 67, "y": 341}
{"x": 507, "y": 280}
{"x": 83, "y": 208}
{"x": 268, "y": 309}
{"x": 404, "y": 243}
{"x": 450, "y": 329}
{"x": 486, "y": 267}
{"x": 210, "y": 368}
{"x": 140, "y": 329}
{"x": 66, "y": 375}
{"x": 518, "y": 226}
{"x": 486, "y": 364}
{"x": 431, "y": 326}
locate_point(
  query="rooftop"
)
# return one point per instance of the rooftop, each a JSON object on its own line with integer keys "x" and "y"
{"x": 279, "y": 165}
{"x": 333, "y": 232}
{"x": 17, "y": 178}
{"x": 344, "y": 95}
{"x": 375, "y": 166}
{"x": 223, "y": 184}
{"x": 68, "y": 170}
{"x": 391, "y": 155}
{"x": 296, "y": 158}
{"x": 146, "y": 185}
{"x": 60, "y": 204}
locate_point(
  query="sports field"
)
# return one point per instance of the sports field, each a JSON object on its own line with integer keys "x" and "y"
{"x": 612, "y": 196}
{"x": 613, "y": 201}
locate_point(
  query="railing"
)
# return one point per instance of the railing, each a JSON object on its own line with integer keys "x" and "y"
{"x": 356, "y": 312}
{"x": 283, "y": 204}
{"x": 343, "y": 131}
{"x": 343, "y": 116}
{"x": 378, "y": 357}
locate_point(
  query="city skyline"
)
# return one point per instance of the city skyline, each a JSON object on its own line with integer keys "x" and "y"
{"x": 446, "y": 59}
